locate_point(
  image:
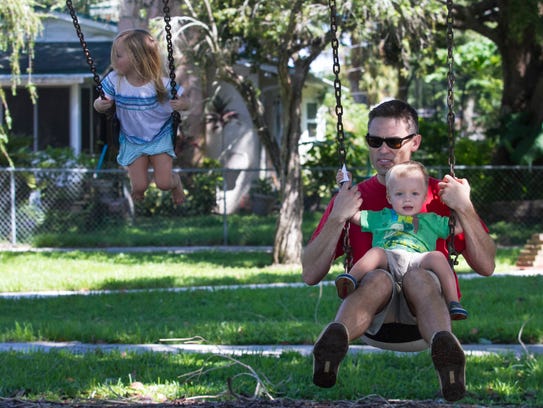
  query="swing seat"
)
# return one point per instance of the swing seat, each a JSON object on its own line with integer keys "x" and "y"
{"x": 397, "y": 337}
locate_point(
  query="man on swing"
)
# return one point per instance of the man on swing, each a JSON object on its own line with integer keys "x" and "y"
{"x": 392, "y": 138}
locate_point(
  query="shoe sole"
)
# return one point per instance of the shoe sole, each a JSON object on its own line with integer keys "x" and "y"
{"x": 458, "y": 316}
{"x": 328, "y": 352}
{"x": 450, "y": 363}
{"x": 345, "y": 286}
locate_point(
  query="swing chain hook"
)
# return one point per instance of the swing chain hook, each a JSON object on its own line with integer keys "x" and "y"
{"x": 453, "y": 254}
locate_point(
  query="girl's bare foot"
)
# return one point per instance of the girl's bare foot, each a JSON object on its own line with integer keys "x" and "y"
{"x": 178, "y": 193}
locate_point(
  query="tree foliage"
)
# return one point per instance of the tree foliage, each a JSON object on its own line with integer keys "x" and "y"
{"x": 20, "y": 26}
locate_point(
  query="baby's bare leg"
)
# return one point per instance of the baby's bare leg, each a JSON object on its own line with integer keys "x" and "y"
{"x": 374, "y": 259}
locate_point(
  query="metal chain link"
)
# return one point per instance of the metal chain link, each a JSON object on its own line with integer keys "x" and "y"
{"x": 451, "y": 124}
{"x": 450, "y": 85}
{"x": 176, "y": 117}
{"x": 342, "y": 152}
{"x": 88, "y": 56}
{"x": 340, "y": 134}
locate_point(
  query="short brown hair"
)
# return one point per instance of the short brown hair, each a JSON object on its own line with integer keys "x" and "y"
{"x": 396, "y": 109}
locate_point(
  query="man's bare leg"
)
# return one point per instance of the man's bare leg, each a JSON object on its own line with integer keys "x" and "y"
{"x": 423, "y": 293}
{"x": 424, "y": 296}
{"x": 352, "y": 320}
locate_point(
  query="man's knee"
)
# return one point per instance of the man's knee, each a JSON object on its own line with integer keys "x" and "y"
{"x": 421, "y": 282}
{"x": 377, "y": 281}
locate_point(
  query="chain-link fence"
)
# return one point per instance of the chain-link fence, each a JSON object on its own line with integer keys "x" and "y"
{"x": 46, "y": 201}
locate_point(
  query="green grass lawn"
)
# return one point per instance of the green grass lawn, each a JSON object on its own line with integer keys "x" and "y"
{"x": 500, "y": 309}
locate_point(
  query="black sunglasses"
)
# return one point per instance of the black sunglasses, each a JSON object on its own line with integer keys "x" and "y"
{"x": 392, "y": 142}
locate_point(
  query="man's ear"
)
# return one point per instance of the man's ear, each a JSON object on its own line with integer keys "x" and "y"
{"x": 416, "y": 142}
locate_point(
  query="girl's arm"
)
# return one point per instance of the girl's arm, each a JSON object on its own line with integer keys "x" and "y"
{"x": 182, "y": 101}
{"x": 103, "y": 105}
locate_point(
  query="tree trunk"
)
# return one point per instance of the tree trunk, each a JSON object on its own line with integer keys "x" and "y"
{"x": 522, "y": 78}
{"x": 287, "y": 247}
{"x": 131, "y": 16}
{"x": 288, "y": 236}
{"x": 516, "y": 37}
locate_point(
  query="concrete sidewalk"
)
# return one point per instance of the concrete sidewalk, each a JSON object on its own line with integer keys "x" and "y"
{"x": 54, "y": 293}
{"x": 265, "y": 350}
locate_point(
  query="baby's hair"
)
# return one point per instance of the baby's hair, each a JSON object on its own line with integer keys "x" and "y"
{"x": 144, "y": 56}
{"x": 406, "y": 169}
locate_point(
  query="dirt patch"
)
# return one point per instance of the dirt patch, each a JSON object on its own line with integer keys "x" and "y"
{"x": 241, "y": 403}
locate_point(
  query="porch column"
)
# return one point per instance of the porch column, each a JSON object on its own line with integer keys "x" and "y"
{"x": 75, "y": 118}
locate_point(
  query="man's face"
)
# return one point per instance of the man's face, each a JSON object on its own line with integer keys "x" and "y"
{"x": 384, "y": 157}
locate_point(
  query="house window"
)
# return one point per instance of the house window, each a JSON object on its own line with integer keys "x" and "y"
{"x": 311, "y": 110}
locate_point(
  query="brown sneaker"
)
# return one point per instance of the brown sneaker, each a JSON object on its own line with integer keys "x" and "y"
{"x": 450, "y": 363}
{"x": 328, "y": 352}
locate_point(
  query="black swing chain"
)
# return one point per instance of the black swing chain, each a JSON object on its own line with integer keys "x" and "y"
{"x": 88, "y": 56}
{"x": 453, "y": 254}
{"x": 176, "y": 117}
{"x": 342, "y": 152}
{"x": 340, "y": 135}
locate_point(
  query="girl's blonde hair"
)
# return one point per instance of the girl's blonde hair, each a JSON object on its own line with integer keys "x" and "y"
{"x": 144, "y": 55}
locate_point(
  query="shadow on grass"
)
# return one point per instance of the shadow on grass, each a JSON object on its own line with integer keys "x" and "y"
{"x": 138, "y": 283}
{"x": 115, "y": 376}
{"x": 213, "y": 258}
{"x": 196, "y": 282}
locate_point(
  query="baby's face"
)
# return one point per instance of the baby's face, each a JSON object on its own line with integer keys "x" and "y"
{"x": 407, "y": 194}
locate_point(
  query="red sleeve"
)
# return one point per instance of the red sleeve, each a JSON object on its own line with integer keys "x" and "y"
{"x": 325, "y": 215}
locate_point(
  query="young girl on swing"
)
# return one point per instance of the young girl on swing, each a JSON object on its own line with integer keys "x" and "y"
{"x": 139, "y": 92}
{"x": 403, "y": 237}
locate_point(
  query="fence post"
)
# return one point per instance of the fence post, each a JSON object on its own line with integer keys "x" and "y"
{"x": 224, "y": 212}
{"x": 13, "y": 211}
